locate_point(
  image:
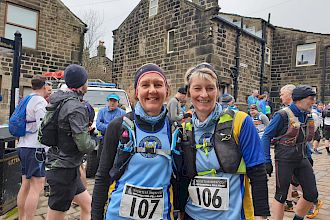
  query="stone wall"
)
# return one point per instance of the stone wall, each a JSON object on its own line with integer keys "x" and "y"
{"x": 284, "y": 69}
{"x": 59, "y": 43}
{"x": 141, "y": 39}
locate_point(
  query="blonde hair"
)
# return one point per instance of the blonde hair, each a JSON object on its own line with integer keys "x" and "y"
{"x": 204, "y": 71}
{"x": 288, "y": 88}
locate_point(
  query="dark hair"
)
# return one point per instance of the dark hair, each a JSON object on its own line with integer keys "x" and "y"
{"x": 38, "y": 82}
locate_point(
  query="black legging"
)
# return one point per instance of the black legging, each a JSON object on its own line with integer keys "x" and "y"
{"x": 303, "y": 171}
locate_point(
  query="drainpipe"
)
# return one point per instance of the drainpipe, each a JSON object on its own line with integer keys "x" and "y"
{"x": 263, "y": 48}
{"x": 82, "y": 43}
{"x": 235, "y": 69}
{"x": 324, "y": 74}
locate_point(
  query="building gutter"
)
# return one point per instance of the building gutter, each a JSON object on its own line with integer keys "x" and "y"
{"x": 324, "y": 74}
{"x": 263, "y": 48}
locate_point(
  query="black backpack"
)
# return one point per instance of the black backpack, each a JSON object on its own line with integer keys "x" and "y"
{"x": 48, "y": 131}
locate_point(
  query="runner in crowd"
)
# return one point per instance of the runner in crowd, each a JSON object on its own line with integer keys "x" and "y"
{"x": 31, "y": 153}
{"x": 261, "y": 103}
{"x": 228, "y": 101}
{"x": 260, "y": 120}
{"x": 220, "y": 164}
{"x": 326, "y": 127}
{"x": 317, "y": 116}
{"x": 292, "y": 128}
{"x": 106, "y": 115}
{"x": 253, "y": 98}
{"x": 175, "y": 112}
{"x": 64, "y": 160}
{"x": 137, "y": 156}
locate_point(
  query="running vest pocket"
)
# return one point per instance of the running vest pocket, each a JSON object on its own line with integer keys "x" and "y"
{"x": 227, "y": 150}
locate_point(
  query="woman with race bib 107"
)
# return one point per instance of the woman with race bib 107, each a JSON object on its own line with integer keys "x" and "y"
{"x": 222, "y": 156}
{"x": 136, "y": 156}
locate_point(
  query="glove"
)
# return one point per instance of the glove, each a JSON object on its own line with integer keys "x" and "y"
{"x": 269, "y": 169}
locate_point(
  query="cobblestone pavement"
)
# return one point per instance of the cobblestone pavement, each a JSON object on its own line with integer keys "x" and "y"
{"x": 322, "y": 172}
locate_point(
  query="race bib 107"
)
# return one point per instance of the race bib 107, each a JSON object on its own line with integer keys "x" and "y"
{"x": 142, "y": 202}
{"x": 210, "y": 192}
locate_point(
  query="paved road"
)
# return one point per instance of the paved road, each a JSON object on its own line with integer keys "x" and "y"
{"x": 322, "y": 172}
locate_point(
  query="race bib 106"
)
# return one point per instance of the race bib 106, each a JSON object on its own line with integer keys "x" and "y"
{"x": 210, "y": 192}
{"x": 142, "y": 202}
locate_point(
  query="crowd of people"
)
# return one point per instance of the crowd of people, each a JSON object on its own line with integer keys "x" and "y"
{"x": 196, "y": 157}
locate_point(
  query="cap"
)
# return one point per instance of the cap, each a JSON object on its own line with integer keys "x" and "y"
{"x": 75, "y": 76}
{"x": 148, "y": 68}
{"x": 182, "y": 90}
{"x": 301, "y": 92}
{"x": 226, "y": 98}
{"x": 113, "y": 96}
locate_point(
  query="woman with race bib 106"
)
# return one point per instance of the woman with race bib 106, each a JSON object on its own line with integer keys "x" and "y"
{"x": 136, "y": 156}
{"x": 222, "y": 156}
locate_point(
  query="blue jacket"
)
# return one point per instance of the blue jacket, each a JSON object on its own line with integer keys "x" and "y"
{"x": 105, "y": 116}
{"x": 276, "y": 127}
{"x": 252, "y": 100}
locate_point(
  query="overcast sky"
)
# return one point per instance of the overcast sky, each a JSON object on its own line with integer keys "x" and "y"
{"x": 308, "y": 15}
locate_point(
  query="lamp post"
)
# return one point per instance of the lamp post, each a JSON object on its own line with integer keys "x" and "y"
{"x": 16, "y": 71}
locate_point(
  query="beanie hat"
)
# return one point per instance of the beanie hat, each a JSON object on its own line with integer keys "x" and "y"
{"x": 145, "y": 69}
{"x": 226, "y": 98}
{"x": 301, "y": 92}
{"x": 75, "y": 76}
{"x": 182, "y": 90}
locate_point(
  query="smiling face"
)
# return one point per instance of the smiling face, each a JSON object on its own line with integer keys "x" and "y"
{"x": 151, "y": 92}
{"x": 203, "y": 94}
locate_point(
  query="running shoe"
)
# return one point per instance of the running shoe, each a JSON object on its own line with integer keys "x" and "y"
{"x": 312, "y": 213}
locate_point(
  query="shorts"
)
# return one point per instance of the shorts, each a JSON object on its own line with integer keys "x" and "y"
{"x": 303, "y": 171}
{"x": 294, "y": 180}
{"x": 32, "y": 161}
{"x": 317, "y": 135}
{"x": 64, "y": 184}
{"x": 326, "y": 132}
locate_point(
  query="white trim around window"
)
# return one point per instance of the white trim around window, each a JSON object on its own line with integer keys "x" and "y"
{"x": 306, "y": 55}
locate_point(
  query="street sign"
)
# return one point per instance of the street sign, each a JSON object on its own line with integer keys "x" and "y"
{"x": 7, "y": 43}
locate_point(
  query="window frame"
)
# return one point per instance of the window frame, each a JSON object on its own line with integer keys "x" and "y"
{"x": 168, "y": 41}
{"x": 299, "y": 50}
{"x": 153, "y": 7}
{"x": 23, "y": 26}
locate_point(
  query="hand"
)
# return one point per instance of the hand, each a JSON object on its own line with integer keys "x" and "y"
{"x": 269, "y": 169}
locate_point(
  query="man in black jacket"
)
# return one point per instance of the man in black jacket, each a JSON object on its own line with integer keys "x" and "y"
{"x": 74, "y": 140}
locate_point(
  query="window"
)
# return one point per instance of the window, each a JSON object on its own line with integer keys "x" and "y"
{"x": 306, "y": 55}
{"x": 170, "y": 41}
{"x": 153, "y": 8}
{"x": 23, "y": 20}
{"x": 267, "y": 55}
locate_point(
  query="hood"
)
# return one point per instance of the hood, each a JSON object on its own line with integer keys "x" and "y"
{"x": 60, "y": 95}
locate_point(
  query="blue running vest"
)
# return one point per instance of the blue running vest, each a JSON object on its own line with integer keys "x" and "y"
{"x": 145, "y": 170}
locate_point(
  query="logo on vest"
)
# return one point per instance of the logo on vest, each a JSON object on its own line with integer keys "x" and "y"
{"x": 150, "y": 143}
{"x": 205, "y": 140}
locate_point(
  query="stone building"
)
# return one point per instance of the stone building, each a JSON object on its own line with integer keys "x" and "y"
{"x": 180, "y": 34}
{"x": 52, "y": 39}
{"x": 99, "y": 66}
